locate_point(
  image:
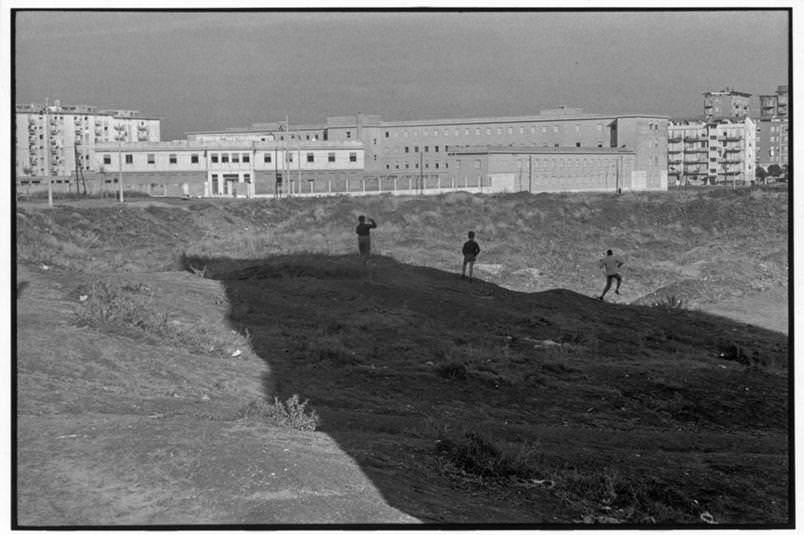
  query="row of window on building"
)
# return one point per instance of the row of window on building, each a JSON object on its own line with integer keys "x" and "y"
{"x": 226, "y": 157}
{"x": 500, "y": 130}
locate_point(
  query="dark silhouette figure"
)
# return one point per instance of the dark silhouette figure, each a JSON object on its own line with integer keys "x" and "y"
{"x": 612, "y": 266}
{"x": 363, "y": 231}
{"x": 470, "y": 251}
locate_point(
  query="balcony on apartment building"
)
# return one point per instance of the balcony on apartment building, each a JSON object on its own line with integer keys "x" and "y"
{"x": 732, "y": 137}
{"x": 694, "y": 139}
{"x": 673, "y": 150}
{"x": 674, "y": 139}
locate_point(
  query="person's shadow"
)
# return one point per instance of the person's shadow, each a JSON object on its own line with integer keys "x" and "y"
{"x": 402, "y": 363}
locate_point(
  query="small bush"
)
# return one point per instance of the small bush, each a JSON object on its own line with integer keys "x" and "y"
{"x": 629, "y": 500}
{"x": 291, "y": 413}
{"x": 478, "y": 455}
{"x": 670, "y": 303}
{"x": 108, "y": 303}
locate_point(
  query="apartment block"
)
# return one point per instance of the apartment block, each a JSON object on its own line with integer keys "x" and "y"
{"x": 59, "y": 141}
{"x": 726, "y": 104}
{"x": 774, "y": 105}
{"x": 773, "y": 126}
{"x": 711, "y": 152}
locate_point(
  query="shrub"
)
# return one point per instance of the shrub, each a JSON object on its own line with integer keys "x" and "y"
{"x": 670, "y": 303}
{"x": 476, "y": 454}
{"x": 291, "y": 413}
{"x": 108, "y": 303}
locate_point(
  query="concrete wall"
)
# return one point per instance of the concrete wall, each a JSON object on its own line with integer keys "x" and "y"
{"x": 560, "y": 172}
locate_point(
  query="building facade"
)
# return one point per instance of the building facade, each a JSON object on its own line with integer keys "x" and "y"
{"x": 544, "y": 169}
{"x": 711, "y": 152}
{"x": 419, "y": 151}
{"x": 773, "y": 125}
{"x": 346, "y": 154}
{"x": 60, "y": 141}
{"x": 214, "y": 168}
{"x": 774, "y": 105}
{"x": 726, "y": 104}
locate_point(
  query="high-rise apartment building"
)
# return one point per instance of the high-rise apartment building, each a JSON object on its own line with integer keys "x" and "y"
{"x": 774, "y": 105}
{"x": 726, "y": 104}
{"x": 773, "y": 125}
{"x": 59, "y": 141}
{"x": 711, "y": 152}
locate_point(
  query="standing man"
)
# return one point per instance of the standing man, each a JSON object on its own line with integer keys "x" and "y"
{"x": 470, "y": 251}
{"x": 612, "y": 266}
{"x": 364, "y": 237}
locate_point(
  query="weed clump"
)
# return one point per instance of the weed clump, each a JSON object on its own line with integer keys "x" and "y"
{"x": 476, "y": 454}
{"x": 291, "y": 413}
{"x": 670, "y": 303}
{"x": 109, "y": 303}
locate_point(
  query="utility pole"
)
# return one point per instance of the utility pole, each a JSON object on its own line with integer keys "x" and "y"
{"x": 120, "y": 164}
{"x": 421, "y": 173}
{"x": 47, "y": 155}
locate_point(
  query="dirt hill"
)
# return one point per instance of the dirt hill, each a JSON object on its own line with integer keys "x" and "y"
{"x": 198, "y": 362}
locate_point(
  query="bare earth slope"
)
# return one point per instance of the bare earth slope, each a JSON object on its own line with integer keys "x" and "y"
{"x": 150, "y": 383}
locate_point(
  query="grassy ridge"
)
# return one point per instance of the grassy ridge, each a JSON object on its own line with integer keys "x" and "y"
{"x": 701, "y": 246}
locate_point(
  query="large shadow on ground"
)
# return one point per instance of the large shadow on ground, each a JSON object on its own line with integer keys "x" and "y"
{"x": 465, "y": 403}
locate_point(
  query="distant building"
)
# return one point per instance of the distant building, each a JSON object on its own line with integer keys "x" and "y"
{"x": 711, "y": 152}
{"x": 59, "y": 141}
{"x": 726, "y": 104}
{"x": 773, "y": 125}
{"x": 772, "y": 142}
{"x": 350, "y": 154}
{"x": 420, "y": 151}
{"x": 775, "y": 105}
{"x": 237, "y": 167}
{"x": 544, "y": 169}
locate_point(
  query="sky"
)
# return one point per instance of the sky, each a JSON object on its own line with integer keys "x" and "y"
{"x": 205, "y": 70}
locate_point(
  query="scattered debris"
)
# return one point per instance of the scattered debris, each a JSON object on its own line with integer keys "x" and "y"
{"x": 237, "y": 353}
{"x": 44, "y": 267}
{"x": 83, "y": 298}
{"x": 708, "y": 518}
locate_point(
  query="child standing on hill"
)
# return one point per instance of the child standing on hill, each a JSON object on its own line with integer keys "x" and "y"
{"x": 612, "y": 266}
{"x": 470, "y": 251}
{"x": 363, "y": 231}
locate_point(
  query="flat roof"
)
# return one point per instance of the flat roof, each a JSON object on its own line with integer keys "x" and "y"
{"x": 522, "y": 119}
{"x": 244, "y": 145}
{"x": 526, "y": 149}
{"x": 550, "y": 115}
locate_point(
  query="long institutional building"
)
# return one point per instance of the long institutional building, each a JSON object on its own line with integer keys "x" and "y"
{"x": 555, "y": 150}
